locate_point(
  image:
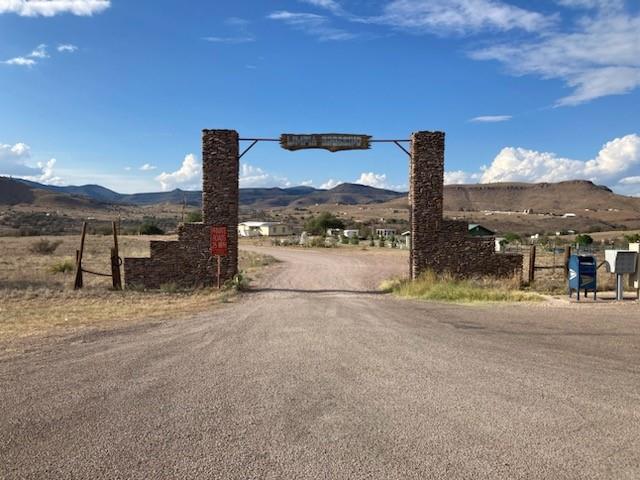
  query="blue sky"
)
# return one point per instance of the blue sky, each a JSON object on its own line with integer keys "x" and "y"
{"x": 117, "y": 92}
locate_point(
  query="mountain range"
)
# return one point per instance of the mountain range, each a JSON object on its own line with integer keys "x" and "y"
{"x": 541, "y": 197}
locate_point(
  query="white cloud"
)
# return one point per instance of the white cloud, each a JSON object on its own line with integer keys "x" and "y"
{"x": 147, "y": 167}
{"x": 318, "y": 26}
{"x": 67, "y": 47}
{"x": 231, "y": 40}
{"x": 47, "y": 174}
{"x": 255, "y": 177}
{"x": 331, "y": 5}
{"x": 600, "y": 56}
{"x": 15, "y": 159}
{"x": 459, "y": 177}
{"x": 20, "y": 61}
{"x": 39, "y": 52}
{"x": 617, "y": 165}
{"x": 605, "y": 4}
{"x": 491, "y": 119}
{"x": 127, "y": 169}
{"x": 49, "y": 8}
{"x": 187, "y": 176}
{"x": 377, "y": 180}
{"x": 306, "y": 183}
{"x": 460, "y": 16}
{"x": 331, "y": 183}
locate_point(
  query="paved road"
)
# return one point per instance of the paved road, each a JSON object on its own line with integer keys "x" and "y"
{"x": 313, "y": 377}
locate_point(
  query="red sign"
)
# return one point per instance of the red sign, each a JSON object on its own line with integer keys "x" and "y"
{"x": 219, "y": 239}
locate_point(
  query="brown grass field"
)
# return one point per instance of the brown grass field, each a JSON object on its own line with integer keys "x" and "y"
{"x": 34, "y": 300}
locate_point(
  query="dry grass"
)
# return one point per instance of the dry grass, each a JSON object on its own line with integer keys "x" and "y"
{"x": 445, "y": 288}
{"x": 36, "y": 298}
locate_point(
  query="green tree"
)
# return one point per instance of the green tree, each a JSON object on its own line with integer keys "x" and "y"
{"x": 584, "y": 240}
{"x": 632, "y": 238}
{"x": 150, "y": 228}
{"x": 194, "y": 217}
{"x": 319, "y": 224}
{"x": 511, "y": 237}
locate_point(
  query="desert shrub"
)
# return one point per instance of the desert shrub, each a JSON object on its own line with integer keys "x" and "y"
{"x": 382, "y": 243}
{"x": 194, "y": 217}
{"x": 344, "y": 240}
{"x": 170, "y": 287}
{"x": 150, "y": 228}
{"x": 240, "y": 282}
{"x": 633, "y": 238}
{"x": 584, "y": 240}
{"x": 354, "y": 241}
{"x": 319, "y": 224}
{"x": 45, "y": 247}
{"x": 511, "y": 237}
{"x": 63, "y": 266}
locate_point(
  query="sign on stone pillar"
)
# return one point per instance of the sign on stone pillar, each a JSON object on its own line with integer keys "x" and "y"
{"x": 220, "y": 190}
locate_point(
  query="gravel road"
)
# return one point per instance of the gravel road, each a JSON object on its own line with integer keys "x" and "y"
{"x": 314, "y": 375}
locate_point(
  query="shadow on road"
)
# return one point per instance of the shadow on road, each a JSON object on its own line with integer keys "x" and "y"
{"x": 319, "y": 291}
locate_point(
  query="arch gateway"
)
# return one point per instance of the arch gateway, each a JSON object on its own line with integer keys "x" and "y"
{"x": 438, "y": 244}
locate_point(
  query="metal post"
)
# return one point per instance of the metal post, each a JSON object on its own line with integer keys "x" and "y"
{"x": 567, "y": 255}
{"x": 219, "y": 269}
{"x": 619, "y": 287}
{"x": 115, "y": 261}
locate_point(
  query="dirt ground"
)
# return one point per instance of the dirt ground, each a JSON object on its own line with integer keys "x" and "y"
{"x": 313, "y": 374}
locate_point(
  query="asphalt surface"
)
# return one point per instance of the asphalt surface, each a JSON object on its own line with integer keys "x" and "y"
{"x": 314, "y": 376}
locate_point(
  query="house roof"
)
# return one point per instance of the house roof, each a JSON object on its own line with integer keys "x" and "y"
{"x": 259, "y": 224}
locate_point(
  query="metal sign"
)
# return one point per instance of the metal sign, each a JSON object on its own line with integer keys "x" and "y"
{"x": 334, "y": 142}
{"x": 219, "y": 241}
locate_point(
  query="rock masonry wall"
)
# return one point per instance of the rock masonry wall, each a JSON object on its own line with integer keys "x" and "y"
{"x": 187, "y": 262}
{"x": 445, "y": 245}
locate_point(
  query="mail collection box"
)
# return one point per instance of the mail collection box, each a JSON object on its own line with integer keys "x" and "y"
{"x": 583, "y": 273}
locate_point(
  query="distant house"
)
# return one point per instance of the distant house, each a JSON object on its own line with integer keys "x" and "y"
{"x": 385, "y": 232}
{"x": 334, "y": 232}
{"x": 476, "y": 230}
{"x": 264, "y": 229}
{"x": 351, "y": 233}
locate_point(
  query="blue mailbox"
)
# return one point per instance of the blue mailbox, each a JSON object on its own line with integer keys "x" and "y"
{"x": 583, "y": 271}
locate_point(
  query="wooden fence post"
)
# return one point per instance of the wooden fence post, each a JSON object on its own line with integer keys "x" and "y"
{"x": 532, "y": 264}
{"x": 115, "y": 261}
{"x": 78, "y": 284}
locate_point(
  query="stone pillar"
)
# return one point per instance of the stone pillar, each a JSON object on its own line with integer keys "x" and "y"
{"x": 426, "y": 192}
{"x": 220, "y": 189}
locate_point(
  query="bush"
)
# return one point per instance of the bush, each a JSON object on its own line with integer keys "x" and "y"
{"x": 240, "y": 282}
{"x": 633, "y": 238}
{"x": 344, "y": 240}
{"x": 149, "y": 228}
{"x": 354, "y": 241}
{"x": 45, "y": 247}
{"x": 194, "y": 217}
{"x": 320, "y": 224}
{"x": 584, "y": 240}
{"x": 63, "y": 266}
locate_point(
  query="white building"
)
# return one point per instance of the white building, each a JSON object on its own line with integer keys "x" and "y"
{"x": 264, "y": 229}
{"x": 351, "y": 233}
{"x": 385, "y": 232}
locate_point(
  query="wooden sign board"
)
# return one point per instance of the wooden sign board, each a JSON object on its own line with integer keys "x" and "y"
{"x": 334, "y": 142}
{"x": 219, "y": 241}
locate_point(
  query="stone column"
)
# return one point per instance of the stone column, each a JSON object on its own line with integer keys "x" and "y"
{"x": 220, "y": 189}
{"x": 426, "y": 190}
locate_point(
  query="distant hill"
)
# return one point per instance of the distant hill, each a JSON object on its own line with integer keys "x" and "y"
{"x": 562, "y": 197}
{"x": 257, "y": 198}
{"x": 23, "y": 192}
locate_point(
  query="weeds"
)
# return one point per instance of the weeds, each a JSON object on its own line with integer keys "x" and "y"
{"x": 44, "y": 246}
{"x": 63, "y": 266}
{"x": 446, "y": 288}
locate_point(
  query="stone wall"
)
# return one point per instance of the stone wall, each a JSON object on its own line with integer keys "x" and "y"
{"x": 187, "y": 262}
{"x": 445, "y": 245}
{"x": 438, "y": 244}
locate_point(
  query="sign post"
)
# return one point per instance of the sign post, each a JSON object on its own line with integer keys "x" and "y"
{"x": 219, "y": 246}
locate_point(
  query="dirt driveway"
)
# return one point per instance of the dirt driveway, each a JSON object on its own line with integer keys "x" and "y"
{"x": 314, "y": 375}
